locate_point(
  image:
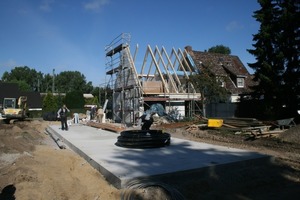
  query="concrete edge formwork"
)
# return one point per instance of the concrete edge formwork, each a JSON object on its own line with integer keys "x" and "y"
{"x": 110, "y": 177}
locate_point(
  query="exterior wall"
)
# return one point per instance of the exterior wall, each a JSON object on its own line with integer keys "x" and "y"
{"x": 127, "y": 106}
{"x": 234, "y": 98}
{"x": 176, "y": 109}
{"x": 124, "y": 78}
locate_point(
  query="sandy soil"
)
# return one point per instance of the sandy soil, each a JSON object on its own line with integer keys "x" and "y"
{"x": 33, "y": 167}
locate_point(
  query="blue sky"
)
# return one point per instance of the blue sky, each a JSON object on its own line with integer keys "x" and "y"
{"x": 71, "y": 35}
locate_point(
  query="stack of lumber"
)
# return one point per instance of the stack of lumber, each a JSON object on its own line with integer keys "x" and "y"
{"x": 106, "y": 126}
{"x": 242, "y": 122}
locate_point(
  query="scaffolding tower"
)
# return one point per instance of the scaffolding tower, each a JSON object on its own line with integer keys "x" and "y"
{"x": 123, "y": 81}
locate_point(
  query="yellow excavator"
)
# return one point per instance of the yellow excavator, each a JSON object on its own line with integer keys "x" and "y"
{"x": 14, "y": 109}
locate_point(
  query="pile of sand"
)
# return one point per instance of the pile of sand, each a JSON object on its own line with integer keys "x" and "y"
{"x": 291, "y": 135}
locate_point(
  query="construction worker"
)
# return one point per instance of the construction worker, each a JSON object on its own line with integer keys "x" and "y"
{"x": 147, "y": 120}
{"x": 93, "y": 112}
{"x": 62, "y": 115}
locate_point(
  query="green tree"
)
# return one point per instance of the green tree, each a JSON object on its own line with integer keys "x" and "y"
{"x": 68, "y": 81}
{"x": 92, "y": 101}
{"x": 102, "y": 93}
{"x": 47, "y": 83}
{"x": 50, "y": 103}
{"x": 23, "y": 86}
{"x": 74, "y": 99}
{"x": 276, "y": 50}
{"x": 31, "y": 80}
{"x": 23, "y": 75}
{"x": 88, "y": 88}
{"x": 206, "y": 83}
{"x": 95, "y": 92}
{"x": 220, "y": 49}
{"x": 289, "y": 45}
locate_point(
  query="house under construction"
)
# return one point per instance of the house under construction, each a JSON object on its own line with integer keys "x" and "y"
{"x": 161, "y": 79}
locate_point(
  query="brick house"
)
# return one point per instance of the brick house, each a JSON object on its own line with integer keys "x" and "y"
{"x": 228, "y": 69}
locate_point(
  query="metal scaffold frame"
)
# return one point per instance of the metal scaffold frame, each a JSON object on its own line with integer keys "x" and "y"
{"x": 123, "y": 80}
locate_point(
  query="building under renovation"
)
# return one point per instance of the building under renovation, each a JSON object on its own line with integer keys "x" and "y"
{"x": 160, "y": 81}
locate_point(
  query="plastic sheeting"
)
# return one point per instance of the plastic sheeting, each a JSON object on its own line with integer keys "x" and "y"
{"x": 156, "y": 108}
{"x": 159, "y": 109}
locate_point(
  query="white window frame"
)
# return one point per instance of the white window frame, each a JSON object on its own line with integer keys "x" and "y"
{"x": 240, "y": 82}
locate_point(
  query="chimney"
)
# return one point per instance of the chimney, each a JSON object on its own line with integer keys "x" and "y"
{"x": 188, "y": 49}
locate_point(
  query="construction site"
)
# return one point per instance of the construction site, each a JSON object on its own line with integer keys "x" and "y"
{"x": 95, "y": 159}
{"x": 162, "y": 80}
{"x": 161, "y": 84}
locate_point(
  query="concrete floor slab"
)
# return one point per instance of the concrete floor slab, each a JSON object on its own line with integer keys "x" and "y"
{"x": 120, "y": 165}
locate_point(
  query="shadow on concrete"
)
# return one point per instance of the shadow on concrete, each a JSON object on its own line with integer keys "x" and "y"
{"x": 258, "y": 178}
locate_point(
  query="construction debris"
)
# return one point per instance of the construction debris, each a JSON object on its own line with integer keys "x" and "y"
{"x": 192, "y": 128}
{"x": 242, "y": 122}
{"x": 247, "y": 126}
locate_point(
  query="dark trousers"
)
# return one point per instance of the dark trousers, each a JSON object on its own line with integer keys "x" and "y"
{"x": 64, "y": 124}
{"x": 146, "y": 125}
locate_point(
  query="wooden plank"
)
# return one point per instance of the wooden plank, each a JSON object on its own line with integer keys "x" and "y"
{"x": 152, "y": 87}
{"x": 106, "y": 126}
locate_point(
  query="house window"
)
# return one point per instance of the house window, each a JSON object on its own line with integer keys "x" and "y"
{"x": 240, "y": 82}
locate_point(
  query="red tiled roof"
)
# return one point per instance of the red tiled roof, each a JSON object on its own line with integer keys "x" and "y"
{"x": 229, "y": 66}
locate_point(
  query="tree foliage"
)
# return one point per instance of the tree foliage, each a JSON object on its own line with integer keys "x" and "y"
{"x": 31, "y": 80}
{"x": 220, "y": 49}
{"x": 68, "y": 81}
{"x": 24, "y": 75}
{"x": 46, "y": 83}
{"x": 276, "y": 49}
{"x": 73, "y": 83}
{"x": 74, "y": 99}
{"x": 206, "y": 83}
{"x": 50, "y": 103}
{"x": 102, "y": 93}
{"x": 23, "y": 86}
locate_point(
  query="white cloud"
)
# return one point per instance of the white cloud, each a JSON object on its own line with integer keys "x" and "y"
{"x": 234, "y": 25}
{"x": 95, "y": 5}
{"x": 46, "y": 5}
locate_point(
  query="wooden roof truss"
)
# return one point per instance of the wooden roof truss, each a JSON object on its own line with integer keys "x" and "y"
{"x": 172, "y": 70}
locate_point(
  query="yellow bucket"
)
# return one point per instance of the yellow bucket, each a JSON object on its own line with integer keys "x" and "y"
{"x": 216, "y": 123}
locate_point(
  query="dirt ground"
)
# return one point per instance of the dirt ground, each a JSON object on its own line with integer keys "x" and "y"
{"x": 33, "y": 167}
